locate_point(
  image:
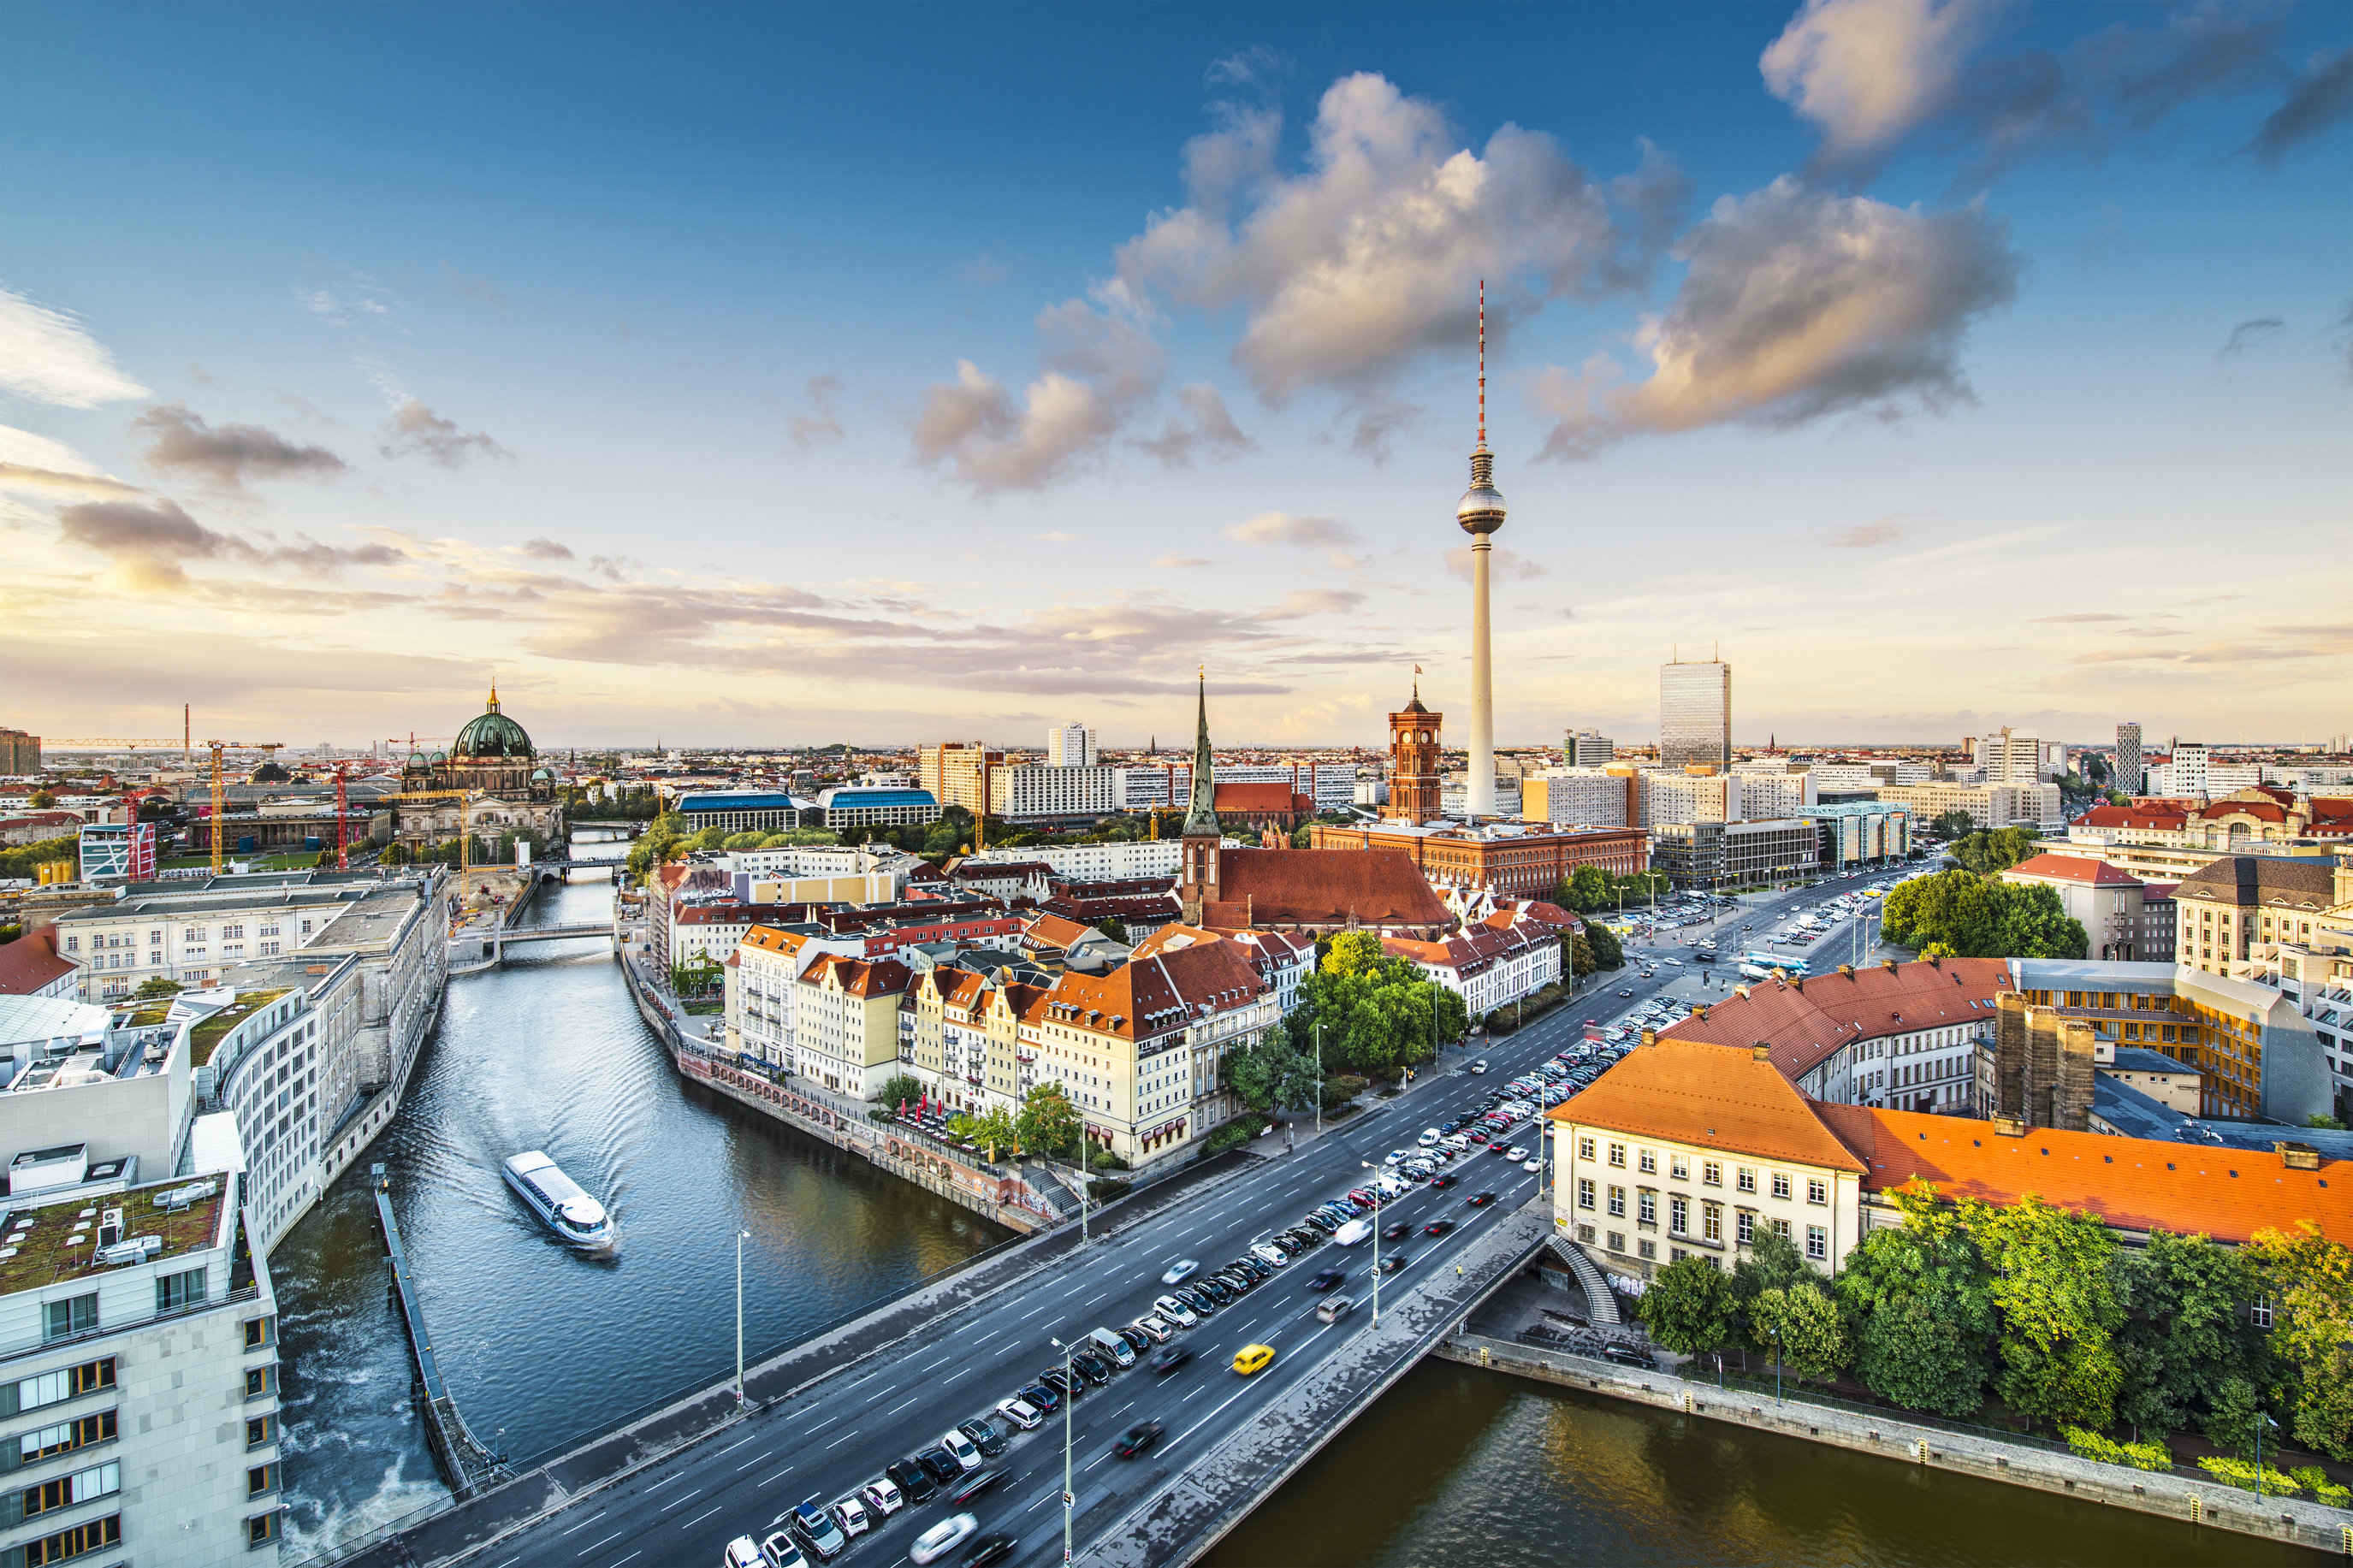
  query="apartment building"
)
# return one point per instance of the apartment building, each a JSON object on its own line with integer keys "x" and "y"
{"x": 138, "y": 1369}
{"x": 1989, "y": 806}
{"x": 2127, "y": 772}
{"x": 1602, "y": 797}
{"x": 1071, "y": 746}
{"x": 846, "y": 1023}
{"x": 2225, "y": 909}
{"x": 955, "y": 772}
{"x": 1033, "y": 791}
{"x": 2127, "y": 918}
{"x": 1587, "y": 749}
{"x": 1094, "y": 862}
{"x": 1493, "y": 963}
{"x": 1859, "y": 833}
{"x": 761, "y": 974}
{"x": 1510, "y": 859}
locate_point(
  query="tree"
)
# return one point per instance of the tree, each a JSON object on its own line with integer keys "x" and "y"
{"x": 1918, "y": 1308}
{"x": 900, "y": 1088}
{"x": 2230, "y": 1419}
{"x": 1964, "y": 915}
{"x": 1586, "y": 889}
{"x": 992, "y": 1130}
{"x": 2054, "y": 1289}
{"x": 41, "y": 800}
{"x": 1353, "y": 952}
{"x": 1579, "y": 952}
{"x": 1774, "y": 1263}
{"x": 1048, "y": 1124}
{"x": 1802, "y": 1326}
{"x": 1608, "y": 952}
{"x": 2310, "y": 1280}
{"x": 1112, "y": 927}
{"x": 151, "y": 989}
{"x": 750, "y": 838}
{"x": 695, "y": 976}
{"x": 1688, "y": 1307}
{"x": 1952, "y": 824}
{"x": 2187, "y": 1330}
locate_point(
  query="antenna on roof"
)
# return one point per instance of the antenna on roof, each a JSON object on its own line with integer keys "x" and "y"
{"x": 1483, "y": 365}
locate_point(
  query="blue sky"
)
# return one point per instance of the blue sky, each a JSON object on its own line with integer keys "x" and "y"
{"x": 898, "y": 373}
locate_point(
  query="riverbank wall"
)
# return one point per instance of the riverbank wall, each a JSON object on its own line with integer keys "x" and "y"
{"x": 2208, "y": 1504}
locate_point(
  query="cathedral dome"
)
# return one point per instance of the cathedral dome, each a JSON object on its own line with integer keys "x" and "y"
{"x": 492, "y": 734}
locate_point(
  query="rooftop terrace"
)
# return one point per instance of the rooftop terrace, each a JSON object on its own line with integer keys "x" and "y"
{"x": 56, "y": 1243}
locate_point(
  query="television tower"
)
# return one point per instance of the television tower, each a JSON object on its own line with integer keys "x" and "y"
{"x": 1480, "y": 514}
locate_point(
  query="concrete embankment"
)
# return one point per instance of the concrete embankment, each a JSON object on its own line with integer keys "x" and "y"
{"x": 2170, "y": 1494}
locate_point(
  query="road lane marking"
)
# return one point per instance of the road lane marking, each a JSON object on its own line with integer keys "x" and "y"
{"x": 597, "y": 1518}
{"x": 608, "y": 1541}
{"x": 640, "y": 1552}
{"x": 680, "y": 1503}
{"x": 780, "y": 1475}
{"x": 735, "y": 1444}
{"x": 903, "y": 1405}
{"x": 697, "y": 1519}
{"x": 837, "y": 1442}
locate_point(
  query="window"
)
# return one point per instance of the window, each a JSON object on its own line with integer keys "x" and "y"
{"x": 1585, "y": 1191}
{"x": 1584, "y": 1233}
{"x": 63, "y": 1320}
{"x": 1618, "y": 1202}
{"x": 56, "y": 1387}
{"x": 1710, "y": 1222}
{"x": 1647, "y": 1207}
{"x": 260, "y": 1479}
{"x": 1817, "y": 1192}
{"x": 1678, "y": 1213}
{"x": 1585, "y": 1148}
{"x": 64, "y": 1492}
{"x": 1781, "y": 1228}
{"x": 174, "y": 1291}
{"x": 261, "y": 1430}
{"x": 1781, "y": 1185}
{"x": 1744, "y": 1228}
{"x": 2260, "y": 1314}
{"x": 1711, "y": 1175}
{"x": 260, "y": 1332}
{"x": 1679, "y": 1168}
{"x": 1618, "y": 1241}
{"x": 1744, "y": 1178}
{"x": 1648, "y": 1162}
{"x": 81, "y": 1538}
{"x": 1817, "y": 1242}
{"x": 261, "y": 1381}
{"x": 261, "y": 1529}
{"x": 47, "y": 1442}
{"x": 1618, "y": 1155}
{"x": 1647, "y": 1247}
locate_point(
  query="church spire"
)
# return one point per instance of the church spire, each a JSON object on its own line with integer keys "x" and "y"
{"x": 1201, "y": 816}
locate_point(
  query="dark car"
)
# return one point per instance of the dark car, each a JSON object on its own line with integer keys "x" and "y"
{"x": 912, "y": 1478}
{"x": 1326, "y": 1280}
{"x": 1137, "y": 1438}
{"x": 942, "y": 1464}
{"x": 1217, "y": 1291}
{"x": 1069, "y": 1386}
{"x": 1091, "y": 1367}
{"x": 1197, "y": 1299}
{"x": 985, "y": 1550}
{"x": 1045, "y": 1396}
{"x": 986, "y": 1436}
{"x": 1323, "y": 1222}
{"x": 1443, "y": 1179}
{"x": 1169, "y": 1360}
{"x": 980, "y": 1481}
{"x": 1481, "y": 1200}
{"x": 1396, "y": 1230}
{"x": 1627, "y": 1355}
{"x": 1138, "y": 1340}
{"x": 1393, "y": 1262}
{"x": 1438, "y": 1227}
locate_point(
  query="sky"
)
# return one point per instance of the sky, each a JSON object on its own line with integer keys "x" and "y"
{"x": 792, "y": 374}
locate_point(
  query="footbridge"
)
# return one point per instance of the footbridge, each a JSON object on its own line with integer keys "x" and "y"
{"x": 467, "y": 1462}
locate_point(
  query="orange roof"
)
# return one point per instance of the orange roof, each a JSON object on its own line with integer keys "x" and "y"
{"x": 2073, "y": 869}
{"x": 30, "y": 962}
{"x": 1710, "y": 1095}
{"x": 881, "y": 977}
{"x": 1148, "y": 995}
{"x": 2133, "y": 1183}
{"x": 1806, "y": 1021}
{"x": 1046, "y": 930}
{"x": 2165, "y": 818}
{"x": 1275, "y": 796}
{"x": 775, "y": 941}
{"x": 1325, "y": 886}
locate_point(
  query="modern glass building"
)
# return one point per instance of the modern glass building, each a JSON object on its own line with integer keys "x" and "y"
{"x": 1695, "y": 714}
{"x": 2128, "y": 774}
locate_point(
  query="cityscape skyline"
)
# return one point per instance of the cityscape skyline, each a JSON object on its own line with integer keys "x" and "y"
{"x": 381, "y": 443}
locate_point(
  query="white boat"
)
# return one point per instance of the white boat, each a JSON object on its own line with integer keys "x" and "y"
{"x": 557, "y": 1199}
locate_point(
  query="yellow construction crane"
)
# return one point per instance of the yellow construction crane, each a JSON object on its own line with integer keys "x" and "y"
{"x": 220, "y": 793}
{"x": 466, "y": 799}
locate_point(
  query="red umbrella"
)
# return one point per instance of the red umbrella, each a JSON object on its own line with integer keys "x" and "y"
{"x": 902, "y": 1110}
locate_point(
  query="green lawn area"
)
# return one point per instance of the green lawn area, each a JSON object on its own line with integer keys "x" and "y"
{"x": 283, "y": 860}
{"x": 205, "y": 1036}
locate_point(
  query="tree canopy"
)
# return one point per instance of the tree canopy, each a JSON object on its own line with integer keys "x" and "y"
{"x": 1964, "y": 915}
{"x": 1048, "y": 1124}
{"x": 1986, "y": 853}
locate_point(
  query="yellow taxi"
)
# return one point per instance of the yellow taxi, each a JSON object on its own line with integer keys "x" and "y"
{"x": 1252, "y": 1358}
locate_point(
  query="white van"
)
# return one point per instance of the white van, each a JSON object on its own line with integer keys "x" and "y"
{"x": 1113, "y": 1346}
{"x": 1431, "y": 1135}
{"x": 1354, "y": 1231}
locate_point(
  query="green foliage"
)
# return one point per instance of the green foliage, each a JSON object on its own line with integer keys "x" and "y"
{"x": 1963, "y": 915}
{"x": 697, "y": 976}
{"x": 1774, "y": 1263}
{"x": 1589, "y": 890}
{"x": 1232, "y": 1135}
{"x": 900, "y": 1088}
{"x": 19, "y": 861}
{"x": 2118, "y": 797}
{"x": 750, "y": 838}
{"x": 1919, "y": 1310}
{"x": 157, "y": 986}
{"x": 1272, "y": 1072}
{"x": 2186, "y": 1334}
{"x": 1048, "y": 1124}
{"x": 2148, "y": 1456}
{"x": 2054, "y": 1288}
{"x": 1986, "y": 853}
{"x": 1688, "y": 1307}
{"x": 1951, "y": 825}
{"x": 1379, "y": 1013}
{"x": 2315, "y": 1480}
{"x": 2325, "y": 1123}
{"x": 1803, "y": 1327}
{"x": 1580, "y": 954}
{"x": 1112, "y": 927}
{"x": 1608, "y": 952}
{"x": 2241, "y": 1473}
{"x": 2309, "y": 1279}
{"x": 2233, "y": 1414}
{"x": 1341, "y": 1088}
{"x": 41, "y": 800}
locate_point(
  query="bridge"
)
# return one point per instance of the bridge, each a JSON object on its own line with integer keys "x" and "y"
{"x": 472, "y": 950}
{"x": 467, "y": 1463}
{"x": 826, "y": 1415}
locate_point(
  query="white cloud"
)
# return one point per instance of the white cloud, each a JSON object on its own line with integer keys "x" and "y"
{"x": 46, "y": 356}
{"x": 1867, "y": 72}
{"x": 1100, "y": 366}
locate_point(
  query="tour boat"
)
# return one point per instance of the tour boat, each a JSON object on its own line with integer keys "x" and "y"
{"x": 558, "y": 1200}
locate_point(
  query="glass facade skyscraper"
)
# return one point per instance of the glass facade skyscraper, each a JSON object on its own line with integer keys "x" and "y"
{"x": 2128, "y": 773}
{"x": 1695, "y": 714}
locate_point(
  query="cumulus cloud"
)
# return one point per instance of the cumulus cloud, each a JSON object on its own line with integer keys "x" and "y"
{"x": 230, "y": 454}
{"x": 546, "y": 550}
{"x": 1867, "y": 72}
{"x": 1797, "y": 303}
{"x": 414, "y": 430}
{"x": 46, "y": 356}
{"x": 821, "y": 424}
{"x": 1285, "y": 527}
{"x": 1301, "y": 602}
{"x": 2246, "y": 334}
{"x": 1866, "y": 535}
{"x": 1203, "y": 424}
{"x": 151, "y": 539}
{"x": 53, "y": 482}
{"x": 1099, "y": 366}
{"x": 1371, "y": 255}
{"x": 2322, "y": 96}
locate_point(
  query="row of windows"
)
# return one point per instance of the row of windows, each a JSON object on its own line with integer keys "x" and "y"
{"x": 60, "y": 1438}
{"x": 65, "y": 1544}
{"x": 56, "y": 1387}
{"x": 66, "y": 1491}
{"x": 1711, "y": 1170}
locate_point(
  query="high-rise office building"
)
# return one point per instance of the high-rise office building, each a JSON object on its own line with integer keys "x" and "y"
{"x": 2011, "y": 756}
{"x": 2128, "y": 774}
{"x": 1587, "y": 749}
{"x": 2186, "y": 773}
{"x": 20, "y": 753}
{"x": 1069, "y": 746}
{"x": 1695, "y": 714}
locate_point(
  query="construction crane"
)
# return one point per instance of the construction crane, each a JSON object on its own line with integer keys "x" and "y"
{"x": 343, "y": 804}
{"x": 220, "y": 792}
{"x": 466, "y": 798}
{"x": 108, "y": 743}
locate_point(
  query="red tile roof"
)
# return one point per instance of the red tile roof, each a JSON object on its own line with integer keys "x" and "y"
{"x": 1804, "y": 1022}
{"x": 1710, "y": 1095}
{"x": 30, "y": 962}
{"x": 1163, "y": 991}
{"x": 1324, "y": 887}
{"x": 2163, "y": 818}
{"x": 2073, "y": 869}
{"x": 2133, "y": 1183}
{"x": 1274, "y": 796}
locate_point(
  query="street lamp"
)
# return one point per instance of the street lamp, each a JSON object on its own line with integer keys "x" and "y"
{"x": 2262, "y": 1421}
{"x": 741, "y": 1235}
{"x": 1068, "y": 1400}
{"x": 1319, "y": 1077}
{"x": 1377, "y": 1206}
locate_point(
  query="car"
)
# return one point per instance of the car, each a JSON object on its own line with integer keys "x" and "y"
{"x": 1169, "y": 1360}
{"x": 1218, "y": 1292}
{"x": 882, "y": 1498}
{"x": 1271, "y": 1253}
{"x": 1517, "y": 1152}
{"x": 1394, "y": 1156}
{"x": 1199, "y": 1300}
{"x": 1179, "y": 1271}
{"x": 1479, "y": 1067}
{"x": 1091, "y": 1367}
{"x": 994, "y": 1547}
{"x": 939, "y": 1464}
{"x": 1431, "y": 1135}
{"x": 985, "y": 1435}
{"x": 1021, "y": 1413}
{"x": 851, "y": 1515}
{"x": 1504, "y": 1149}
{"x": 941, "y": 1538}
{"x": 1137, "y": 1438}
{"x": 1323, "y": 1222}
{"x": 1396, "y": 1230}
{"x": 1253, "y": 1359}
{"x": 1394, "y": 1261}
{"x": 1152, "y": 1327}
{"x": 1335, "y": 1308}
{"x": 1443, "y": 1179}
{"x": 1673, "y": 963}
{"x": 1072, "y": 1386}
{"x": 816, "y": 1531}
{"x": 1479, "y": 1135}
{"x": 742, "y": 1552}
{"x": 1176, "y": 1311}
{"x": 911, "y": 1477}
{"x": 781, "y": 1550}
{"x": 1481, "y": 1200}
{"x": 1438, "y": 1227}
{"x": 1532, "y": 1166}
{"x": 960, "y": 1449}
{"x": 1326, "y": 1279}
{"x": 972, "y": 1487}
{"x": 1043, "y": 1397}
{"x": 1627, "y": 1355}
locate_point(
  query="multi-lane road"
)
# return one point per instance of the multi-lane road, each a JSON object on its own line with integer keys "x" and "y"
{"x": 833, "y": 1438}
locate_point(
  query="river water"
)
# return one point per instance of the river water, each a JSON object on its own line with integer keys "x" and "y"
{"x": 543, "y": 1348}
{"x": 540, "y": 1346}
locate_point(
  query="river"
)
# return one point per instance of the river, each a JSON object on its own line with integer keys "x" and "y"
{"x": 543, "y": 1348}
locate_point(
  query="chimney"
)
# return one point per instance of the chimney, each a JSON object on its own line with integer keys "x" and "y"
{"x": 1741, "y": 992}
{"x": 1934, "y": 961}
{"x": 1700, "y": 1013}
{"x": 1847, "y": 970}
{"x": 1761, "y": 1052}
{"x": 2008, "y": 1127}
{"x": 2298, "y": 1156}
{"x": 1888, "y": 964}
{"x": 1799, "y": 984}
{"x": 1650, "y": 1036}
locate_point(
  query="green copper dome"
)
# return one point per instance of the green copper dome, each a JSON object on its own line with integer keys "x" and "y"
{"x": 492, "y": 735}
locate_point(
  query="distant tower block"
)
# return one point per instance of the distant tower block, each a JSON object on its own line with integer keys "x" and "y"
{"x": 1479, "y": 514}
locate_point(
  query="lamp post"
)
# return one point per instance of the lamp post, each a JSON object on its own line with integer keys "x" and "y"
{"x": 1776, "y": 1364}
{"x": 1377, "y": 1206}
{"x": 1319, "y": 1077}
{"x": 1067, "y": 1401}
{"x": 2262, "y": 1421}
{"x": 741, "y": 1235}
